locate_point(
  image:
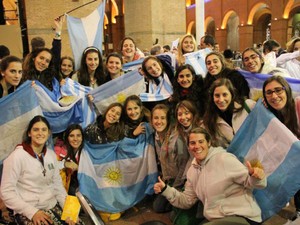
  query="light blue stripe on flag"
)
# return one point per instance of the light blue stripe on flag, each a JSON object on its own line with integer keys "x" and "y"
{"x": 264, "y": 138}
{"x": 256, "y": 81}
{"x": 117, "y": 90}
{"x": 118, "y": 175}
{"x": 127, "y": 67}
{"x": 87, "y": 31}
{"x": 197, "y": 60}
{"x": 17, "y": 109}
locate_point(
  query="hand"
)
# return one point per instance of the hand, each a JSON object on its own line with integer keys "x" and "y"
{"x": 139, "y": 130}
{"x": 62, "y": 82}
{"x": 40, "y": 217}
{"x": 58, "y": 22}
{"x": 71, "y": 165}
{"x": 70, "y": 222}
{"x": 264, "y": 102}
{"x": 90, "y": 98}
{"x": 255, "y": 171}
{"x": 159, "y": 186}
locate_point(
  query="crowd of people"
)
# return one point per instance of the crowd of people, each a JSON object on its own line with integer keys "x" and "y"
{"x": 193, "y": 125}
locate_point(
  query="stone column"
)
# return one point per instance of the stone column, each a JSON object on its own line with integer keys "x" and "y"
{"x": 148, "y": 20}
{"x": 221, "y": 37}
{"x": 279, "y": 29}
{"x": 200, "y": 19}
{"x": 246, "y": 37}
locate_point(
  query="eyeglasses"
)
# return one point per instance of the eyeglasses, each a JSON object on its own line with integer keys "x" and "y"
{"x": 277, "y": 91}
{"x": 254, "y": 56}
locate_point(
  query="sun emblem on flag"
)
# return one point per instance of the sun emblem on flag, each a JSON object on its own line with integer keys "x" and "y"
{"x": 113, "y": 175}
{"x": 121, "y": 97}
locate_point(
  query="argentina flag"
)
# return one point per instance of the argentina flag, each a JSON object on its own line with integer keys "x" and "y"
{"x": 73, "y": 88}
{"x": 117, "y": 90}
{"x": 197, "y": 61}
{"x": 17, "y": 109}
{"x": 85, "y": 32}
{"x": 117, "y": 175}
{"x": 264, "y": 140}
{"x": 256, "y": 81}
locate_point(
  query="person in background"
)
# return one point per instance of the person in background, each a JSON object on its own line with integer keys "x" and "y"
{"x": 225, "y": 113}
{"x": 4, "y": 51}
{"x": 113, "y": 66}
{"x": 166, "y": 48}
{"x": 135, "y": 116}
{"x": 207, "y": 41}
{"x": 188, "y": 86}
{"x": 31, "y": 185}
{"x": 11, "y": 74}
{"x": 129, "y": 50}
{"x": 220, "y": 181}
{"x": 228, "y": 55}
{"x": 278, "y": 98}
{"x": 270, "y": 51}
{"x": 217, "y": 47}
{"x": 91, "y": 71}
{"x": 186, "y": 44}
{"x": 172, "y": 154}
{"x": 156, "y": 50}
{"x": 291, "y": 60}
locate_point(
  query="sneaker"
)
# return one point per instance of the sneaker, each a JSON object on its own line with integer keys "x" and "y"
{"x": 106, "y": 217}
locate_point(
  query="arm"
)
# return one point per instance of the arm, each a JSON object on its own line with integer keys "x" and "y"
{"x": 56, "y": 43}
{"x": 283, "y": 58}
{"x": 12, "y": 171}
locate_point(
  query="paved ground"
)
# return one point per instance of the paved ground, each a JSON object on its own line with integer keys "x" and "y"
{"x": 143, "y": 212}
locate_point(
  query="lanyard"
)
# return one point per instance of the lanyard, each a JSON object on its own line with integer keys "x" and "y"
{"x": 41, "y": 159}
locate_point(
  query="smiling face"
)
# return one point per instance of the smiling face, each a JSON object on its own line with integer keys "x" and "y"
{"x": 213, "y": 64}
{"x": 184, "y": 117}
{"x": 75, "y": 138}
{"x": 159, "y": 120}
{"x": 42, "y": 61}
{"x": 185, "y": 78}
{"x": 13, "y": 74}
{"x": 114, "y": 65}
{"x": 252, "y": 61}
{"x": 198, "y": 146}
{"x": 113, "y": 115}
{"x": 128, "y": 48}
{"x": 188, "y": 45}
{"x": 66, "y": 67}
{"x": 39, "y": 134}
{"x": 92, "y": 61}
{"x": 153, "y": 68}
{"x": 275, "y": 95}
{"x": 222, "y": 97}
{"x": 133, "y": 110}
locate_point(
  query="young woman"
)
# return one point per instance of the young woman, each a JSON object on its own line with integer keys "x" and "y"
{"x": 68, "y": 152}
{"x": 106, "y": 128}
{"x": 129, "y": 50}
{"x": 11, "y": 74}
{"x": 113, "y": 64}
{"x": 216, "y": 68}
{"x": 278, "y": 97}
{"x": 187, "y": 44}
{"x": 91, "y": 72}
{"x": 225, "y": 113}
{"x": 159, "y": 88}
{"x": 188, "y": 86}
{"x": 135, "y": 115}
{"x": 31, "y": 185}
{"x": 291, "y": 60}
{"x": 220, "y": 181}
{"x": 172, "y": 153}
{"x": 67, "y": 67}
{"x": 41, "y": 67}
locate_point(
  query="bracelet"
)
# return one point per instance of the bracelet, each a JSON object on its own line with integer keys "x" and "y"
{"x": 165, "y": 187}
{"x": 57, "y": 34}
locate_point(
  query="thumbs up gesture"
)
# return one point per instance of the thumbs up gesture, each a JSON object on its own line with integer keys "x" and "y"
{"x": 159, "y": 186}
{"x": 256, "y": 172}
